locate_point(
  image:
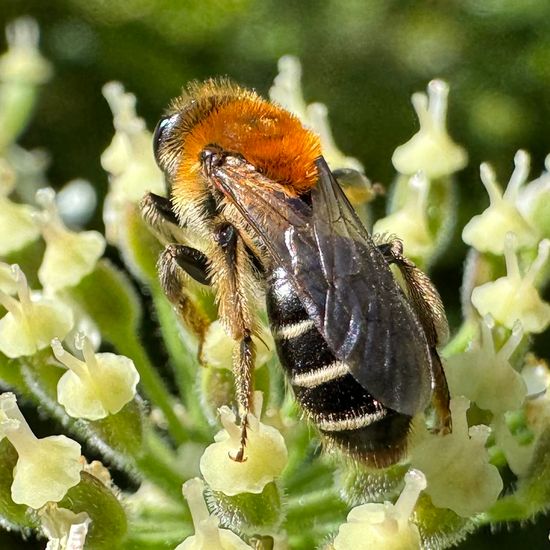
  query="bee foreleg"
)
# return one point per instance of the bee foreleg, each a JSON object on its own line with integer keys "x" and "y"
{"x": 428, "y": 306}
{"x": 157, "y": 211}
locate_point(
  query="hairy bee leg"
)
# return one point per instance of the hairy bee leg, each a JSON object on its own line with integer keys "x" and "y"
{"x": 157, "y": 211}
{"x": 176, "y": 263}
{"x": 239, "y": 323}
{"x": 245, "y": 368}
{"x": 428, "y": 306}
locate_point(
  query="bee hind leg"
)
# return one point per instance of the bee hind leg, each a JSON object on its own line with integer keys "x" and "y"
{"x": 428, "y": 306}
{"x": 232, "y": 259}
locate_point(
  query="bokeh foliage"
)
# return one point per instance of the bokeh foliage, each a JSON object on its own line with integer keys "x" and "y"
{"x": 363, "y": 58}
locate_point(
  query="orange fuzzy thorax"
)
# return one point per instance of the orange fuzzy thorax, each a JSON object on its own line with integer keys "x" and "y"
{"x": 270, "y": 138}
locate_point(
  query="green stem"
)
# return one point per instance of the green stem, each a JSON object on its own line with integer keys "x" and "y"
{"x": 155, "y": 536}
{"x": 300, "y": 478}
{"x": 184, "y": 365}
{"x": 313, "y": 504}
{"x": 158, "y": 464}
{"x": 314, "y": 536}
{"x": 152, "y": 384}
{"x": 461, "y": 340}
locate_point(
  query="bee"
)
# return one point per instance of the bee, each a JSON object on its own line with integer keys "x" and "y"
{"x": 249, "y": 182}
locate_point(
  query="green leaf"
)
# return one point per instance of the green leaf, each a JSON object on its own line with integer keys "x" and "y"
{"x": 249, "y": 513}
{"x": 108, "y": 297}
{"x": 109, "y": 523}
{"x": 139, "y": 247}
{"x": 122, "y": 431}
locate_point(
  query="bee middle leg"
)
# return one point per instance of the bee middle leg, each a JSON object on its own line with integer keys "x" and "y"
{"x": 178, "y": 264}
{"x": 428, "y": 306}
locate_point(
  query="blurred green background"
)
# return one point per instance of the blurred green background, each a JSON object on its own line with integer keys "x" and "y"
{"x": 363, "y": 58}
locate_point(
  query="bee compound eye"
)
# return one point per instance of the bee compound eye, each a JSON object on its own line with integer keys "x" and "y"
{"x": 162, "y": 133}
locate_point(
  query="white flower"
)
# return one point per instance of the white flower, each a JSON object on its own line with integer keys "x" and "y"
{"x": 31, "y": 323}
{"x": 515, "y": 297}
{"x": 533, "y": 201}
{"x": 23, "y": 61}
{"x": 430, "y": 150}
{"x": 96, "y": 387}
{"x": 64, "y": 529}
{"x": 69, "y": 256}
{"x": 517, "y": 456}
{"x": 218, "y": 347}
{"x": 457, "y": 467}
{"x": 17, "y": 225}
{"x": 484, "y": 375}
{"x": 128, "y": 159}
{"x": 410, "y": 222}
{"x": 46, "y": 468}
{"x": 486, "y": 231}
{"x": 265, "y": 454}
{"x": 208, "y": 535}
{"x": 7, "y": 280}
{"x": 384, "y": 526}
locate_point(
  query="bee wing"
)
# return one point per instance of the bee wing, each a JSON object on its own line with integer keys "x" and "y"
{"x": 343, "y": 281}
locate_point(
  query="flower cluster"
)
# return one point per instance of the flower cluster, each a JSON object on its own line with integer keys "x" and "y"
{"x": 71, "y": 347}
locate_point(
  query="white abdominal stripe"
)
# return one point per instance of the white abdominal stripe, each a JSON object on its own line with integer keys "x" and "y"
{"x": 350, "y": 423}
{"x": 321, "y": 375}
{"x": 287, "y": 332}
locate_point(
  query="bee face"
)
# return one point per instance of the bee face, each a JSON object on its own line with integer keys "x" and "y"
{"x": 359, "y": 351}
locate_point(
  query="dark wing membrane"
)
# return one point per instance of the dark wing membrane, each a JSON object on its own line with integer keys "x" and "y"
{"x": 343, "y": 282}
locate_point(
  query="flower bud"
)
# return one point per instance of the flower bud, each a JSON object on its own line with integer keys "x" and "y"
{"x": 23, "y": 62}
{"x": 515, "y": 297}
{"x": 533, "y": 201}
{"x": 96, "y": 387}
{"x": 69, "y": 256}
{"x": 388, "y": 526}
{"x": 46, "y": 468}
{"x": 287, "y": 87}
{"x": 128, "y": 159}
{"x": 484, "y": 375}
{"x": 486, "y": 232}
{"x": 16, "y": 220}
{"x": 218, "y": 347}
{"x": 22, "y": 68}
{"x": 265, "y": 454}
{"x": 7, "y": 282}
{"x": 430, "y": 150}
{"x": 457, "y": 467}
{"x": 30, "y": 323}
{"x": 287, "y": 92}
{"x": 518, "y": 456}
{"x": 207, "y": 533}
{"x": 410, "y": 222}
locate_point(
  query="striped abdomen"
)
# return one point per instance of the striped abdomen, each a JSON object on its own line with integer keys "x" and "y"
{"x": 344, "y": 412}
